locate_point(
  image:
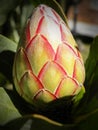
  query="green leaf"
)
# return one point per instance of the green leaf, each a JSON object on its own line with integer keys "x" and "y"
{"x": 8, "y": 111}
{"x": 92, "y": 62}
{"x": 7, "y": 51}
{"x": 86, "y": 115}
{"x": 85, "y": 109}
{"x": 90, "y": 122}
{"x": 54, "y": 5}
{"x": 91, "y": 66}
{"x": 37, "y": 122}
{"x": 7, "y": 44}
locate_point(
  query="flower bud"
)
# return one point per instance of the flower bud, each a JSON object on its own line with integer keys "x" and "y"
{"x": 47, "y": 64}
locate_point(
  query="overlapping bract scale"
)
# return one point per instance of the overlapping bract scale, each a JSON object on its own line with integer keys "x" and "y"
{"x": 39, "y": 51}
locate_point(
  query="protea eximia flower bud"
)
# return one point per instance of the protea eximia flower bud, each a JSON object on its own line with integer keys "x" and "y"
{"x": 48, "y": 64}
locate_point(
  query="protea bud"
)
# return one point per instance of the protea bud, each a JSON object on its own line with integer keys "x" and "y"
{"x": 48, "y": 64}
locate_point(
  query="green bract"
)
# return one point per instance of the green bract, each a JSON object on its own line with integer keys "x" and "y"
{"x": 47, "y": 64}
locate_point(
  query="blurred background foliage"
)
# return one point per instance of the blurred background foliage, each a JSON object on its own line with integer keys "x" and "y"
{"x": 13, "y": 15}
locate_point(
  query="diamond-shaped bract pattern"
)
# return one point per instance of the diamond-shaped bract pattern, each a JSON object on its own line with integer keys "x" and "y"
{"x": 48, "y": 64}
